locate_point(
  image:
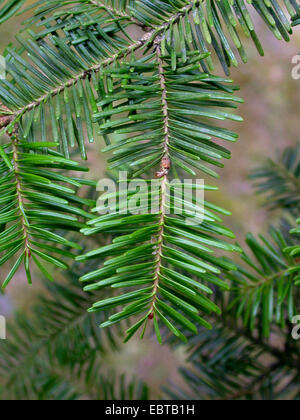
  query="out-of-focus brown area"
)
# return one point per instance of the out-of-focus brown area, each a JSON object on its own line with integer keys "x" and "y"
{"x": 271, "y": 122}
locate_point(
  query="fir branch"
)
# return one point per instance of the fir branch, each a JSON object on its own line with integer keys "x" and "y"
{"x": 116, "y": 12}
{"x": 24, "y": 221}
{"x": 148, "y": 37}
{"x": 164, "y": 170}
{"x": 57, "y": 353}
{"x": 82, "y": 71}
{"x": 155, "y": 243}
{"x": 264, "y": 289}
{"x": 279, "y": 181}
{"x": 34, "y": 204}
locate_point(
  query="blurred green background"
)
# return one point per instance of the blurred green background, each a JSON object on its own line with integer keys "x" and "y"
{"x": 271, "y": 123}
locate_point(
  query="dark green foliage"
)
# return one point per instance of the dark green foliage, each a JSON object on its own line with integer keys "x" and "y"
{"x": 191, "y": 101}
{"x": 75, "y": 67}
{"x": 58, "y": 353}
{"x": 279, "y": 180}
{"x": 80, "y": 37}
{"x": 37, "y": 199}
{"x": 215, "y": 25}
{"x": 8, "y": 8}
{"x": 233, "y": 365}
{"x": 153, "y": 99}
{"x": 294, "y": 250}
{"x": 265, "y": 291}
{"x": 163, "y": 242}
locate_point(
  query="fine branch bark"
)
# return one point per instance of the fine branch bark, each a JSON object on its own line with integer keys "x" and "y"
{"x": 163, "y": 173}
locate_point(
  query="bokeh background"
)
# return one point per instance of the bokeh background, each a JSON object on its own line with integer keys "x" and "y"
{"x": 271, "y": 123}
